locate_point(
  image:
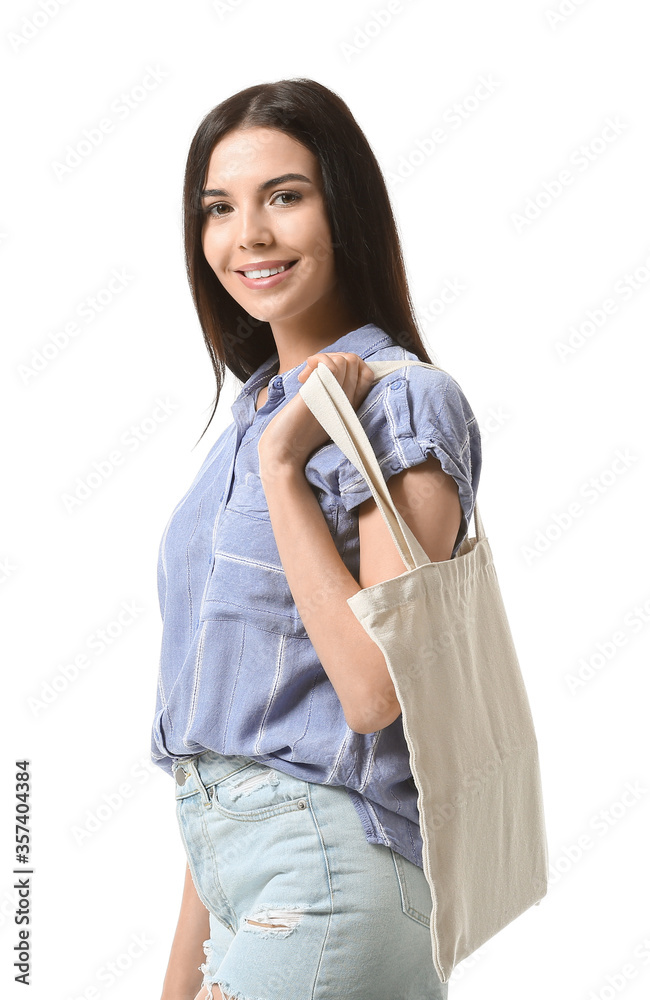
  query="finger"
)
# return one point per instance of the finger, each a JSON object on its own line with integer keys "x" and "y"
{"x": 350, "y": 371}
{"x": 358, "y": 367}
{"x": 335, "y": 362}
{"x": 364, "y": 381}
{"x": 357, "y": 378}
{"x": 349, "y": 379}
{"x": 311, "y": 364}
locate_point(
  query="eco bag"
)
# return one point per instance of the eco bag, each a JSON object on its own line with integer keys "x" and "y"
{"x": 473, "y": 753}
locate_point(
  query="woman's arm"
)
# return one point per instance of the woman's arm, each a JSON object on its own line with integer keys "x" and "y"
{"x": 183, "y": 977}
{"x": 426, "y": 497}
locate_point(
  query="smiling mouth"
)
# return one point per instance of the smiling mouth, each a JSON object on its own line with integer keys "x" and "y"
{"x": 259, "y": 274}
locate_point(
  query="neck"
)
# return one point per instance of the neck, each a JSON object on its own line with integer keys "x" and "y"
{"x": 297, "y": 337}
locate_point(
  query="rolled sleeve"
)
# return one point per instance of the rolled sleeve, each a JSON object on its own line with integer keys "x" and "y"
{"x": 409, "y": 415}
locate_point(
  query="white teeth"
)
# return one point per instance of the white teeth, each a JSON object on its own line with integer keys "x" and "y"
{"x": 265, "y": 272}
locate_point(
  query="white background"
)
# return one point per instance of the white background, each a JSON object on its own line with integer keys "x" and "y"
{"x": 551, "y": 422}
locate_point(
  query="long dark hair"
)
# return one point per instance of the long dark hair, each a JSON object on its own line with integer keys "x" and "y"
{"x": 367, "y": 252}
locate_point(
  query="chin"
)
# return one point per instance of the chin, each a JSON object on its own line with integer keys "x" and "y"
{"x": 272, "y": 317}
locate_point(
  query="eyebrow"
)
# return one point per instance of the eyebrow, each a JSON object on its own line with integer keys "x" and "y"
{"x": 220, "y": 192}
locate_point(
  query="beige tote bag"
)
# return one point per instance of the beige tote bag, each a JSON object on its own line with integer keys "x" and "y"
{"x": 443, "y": 630}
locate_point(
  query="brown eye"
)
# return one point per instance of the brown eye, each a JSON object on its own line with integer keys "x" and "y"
{"x": 288, "y": 194}
{"x": 209, "y": 210}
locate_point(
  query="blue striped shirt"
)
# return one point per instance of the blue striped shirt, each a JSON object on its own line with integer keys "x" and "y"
{"x": 238, "y": 673}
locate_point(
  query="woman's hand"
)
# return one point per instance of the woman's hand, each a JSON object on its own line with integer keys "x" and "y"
{"x": 294, "y": 433}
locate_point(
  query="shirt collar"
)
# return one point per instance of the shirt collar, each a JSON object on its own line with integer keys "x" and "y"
{"x": 363, "y": 341}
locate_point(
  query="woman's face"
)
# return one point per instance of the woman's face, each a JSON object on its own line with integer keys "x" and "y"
{"x": 257, "y": 217}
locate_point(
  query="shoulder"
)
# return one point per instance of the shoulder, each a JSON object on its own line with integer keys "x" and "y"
{"x": 430, "y": 393}
{"x": 407, "y": 415}
{"x": 414, "y": 411}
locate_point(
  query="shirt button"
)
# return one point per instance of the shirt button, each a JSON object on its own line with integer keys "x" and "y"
{"x": 397, "y": 384}
{"x": 277, "y": 382}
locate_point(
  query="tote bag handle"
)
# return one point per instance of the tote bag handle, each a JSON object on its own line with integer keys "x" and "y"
{"x": 327, "y": 400}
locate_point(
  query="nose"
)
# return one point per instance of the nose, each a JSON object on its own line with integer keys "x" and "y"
{"x": 253, "y": 229}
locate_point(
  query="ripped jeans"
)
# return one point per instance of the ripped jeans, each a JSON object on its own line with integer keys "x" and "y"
{"x": 302, "y": 906}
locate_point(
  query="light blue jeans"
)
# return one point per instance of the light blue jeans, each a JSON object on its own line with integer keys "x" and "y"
{"x": 346, "y": 918}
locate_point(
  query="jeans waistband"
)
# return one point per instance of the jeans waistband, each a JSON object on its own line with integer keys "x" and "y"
{"x": 199, "y": 773}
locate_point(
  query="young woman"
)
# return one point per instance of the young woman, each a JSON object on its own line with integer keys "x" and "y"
{"x": 275, "y": 711}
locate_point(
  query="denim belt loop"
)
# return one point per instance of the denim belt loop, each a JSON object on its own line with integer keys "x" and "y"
{"x": 192, "y": 764}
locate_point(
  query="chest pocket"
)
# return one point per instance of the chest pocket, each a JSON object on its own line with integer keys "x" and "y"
{"x": 247, "y": 581}
{"x": 249, "y": 499}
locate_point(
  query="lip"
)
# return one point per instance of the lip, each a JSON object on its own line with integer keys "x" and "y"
{"x": 273, "y": 279}
{"x": 258, "y": 265}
